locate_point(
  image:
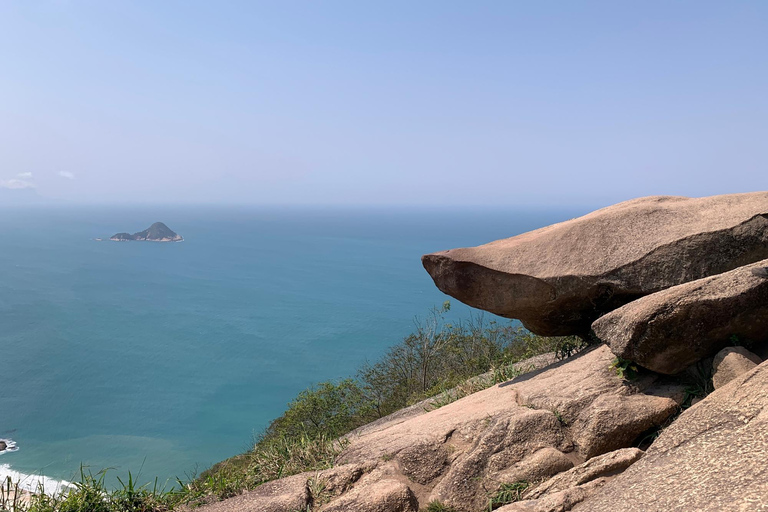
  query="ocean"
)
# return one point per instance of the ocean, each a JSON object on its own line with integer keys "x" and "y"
{"x": 164, "y": 358}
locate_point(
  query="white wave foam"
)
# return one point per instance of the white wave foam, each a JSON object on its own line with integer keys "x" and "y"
{"x": 10, "y": 446}
{"x": 33, "y": 483}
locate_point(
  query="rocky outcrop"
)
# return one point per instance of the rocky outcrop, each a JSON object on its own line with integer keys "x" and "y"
{"x": 560, "y": 501}
{"x": 284, "y": 495}
{"x": 300, "y": 492}
{"x": 674, "y": 279}
{"x": 603, "y": 465}
{"x": 381, "y": 496}
{"x": 731, "y": 362}
{"x": 714, "y": 457}
{"x": 536, "y": 467}
{"x": 535, "y": 425}
{"x": 530, "y": 428}
{"x": 674, "y": 328}
{"x": 560, "y": 278}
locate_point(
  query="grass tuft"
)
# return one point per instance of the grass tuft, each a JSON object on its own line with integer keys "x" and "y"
{"x": 508, "y": 493}
{"x": 436, "y": 506}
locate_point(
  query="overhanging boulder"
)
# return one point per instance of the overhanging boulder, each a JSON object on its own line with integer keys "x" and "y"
{"x": 557, "y": 280}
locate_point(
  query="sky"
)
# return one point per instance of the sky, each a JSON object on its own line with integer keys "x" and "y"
{"x": 429, "y": 102}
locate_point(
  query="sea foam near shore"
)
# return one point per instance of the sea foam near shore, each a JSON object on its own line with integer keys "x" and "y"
{"x": 10, "y": 446}
{"x": 33, "y": 483}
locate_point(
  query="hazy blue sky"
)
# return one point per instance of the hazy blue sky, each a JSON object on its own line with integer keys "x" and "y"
{"x": 361, "y": 102}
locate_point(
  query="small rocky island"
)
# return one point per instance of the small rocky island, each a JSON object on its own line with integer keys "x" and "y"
{"x": 157, "y": 232}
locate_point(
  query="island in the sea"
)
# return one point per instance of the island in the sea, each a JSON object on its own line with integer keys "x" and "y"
{"x": 157, "y": 232}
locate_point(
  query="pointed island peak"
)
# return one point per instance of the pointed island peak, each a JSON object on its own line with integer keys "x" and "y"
{"x": 157, "y": 232}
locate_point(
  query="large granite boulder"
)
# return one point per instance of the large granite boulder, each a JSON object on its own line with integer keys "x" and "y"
{"x": 557, "y": 280}
{"x": 674, "y": 328}
{"x": 713, "y": 458}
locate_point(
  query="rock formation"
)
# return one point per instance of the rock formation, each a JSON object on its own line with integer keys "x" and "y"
{"x": 157, "y": 232}
{"x": 714, "y": 457}
{"x": 557, "y": 280}
{"x": 676, "y": 280}
{"x": 672, "y": 329}
{"x": 731, "y": 362}
{"x": 530, "y": 428}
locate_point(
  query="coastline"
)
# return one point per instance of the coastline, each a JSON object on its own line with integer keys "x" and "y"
{"x": 28, "y": 483}
{"x": 13, "y": 482}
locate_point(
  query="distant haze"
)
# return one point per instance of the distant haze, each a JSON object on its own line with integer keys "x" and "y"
{"x": 431, "y": 102}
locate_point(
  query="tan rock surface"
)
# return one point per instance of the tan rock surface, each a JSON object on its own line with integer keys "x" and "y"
{"x": 285, "y": 495}
{"x": 603, "y": 465}
{"x": 469, "y": 445}
{"x": 674, "y": 328}
{"x": 561, "y": 501}
{"x": 560, "y": 278}
{"x": 537, "y": 466}
{"x": 731, "y": 362}
{"x": 713, "y": 458}
{"x": 430, "y": 404}
{"x": 381, "y": 496}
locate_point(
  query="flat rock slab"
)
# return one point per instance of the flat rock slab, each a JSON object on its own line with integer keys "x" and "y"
{"x": 557, "y": 280}
{"x": 669, "y": 330}
{"x": 285, "y": 495}
{"x": 713, "y": 458}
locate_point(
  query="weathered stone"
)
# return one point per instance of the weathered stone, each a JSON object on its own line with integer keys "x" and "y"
{"x": 561, "y": 501}
{"x": 613, "y": 422}
{"x": 285, "y": 495}
{"x": 3, "y": 446}
{"x": 507, "y": 439}
{"x": 560, "y": 278}
{"x": 538, "y": 466}
{"x": 339, "y": 479}
{"x": 381, "y": 496}
{"x": 492, "y": 435}
{"x": 604, "y": 465}
{"x": 423, "y": 463}
{"x": 713, "y": 458}
{"x": 672, "y": 329}
{"x": 731, "y": 362}
{"x": 603, "y": 413}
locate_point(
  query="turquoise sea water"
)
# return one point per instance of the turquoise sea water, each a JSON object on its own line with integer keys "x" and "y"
{"x": 166, "y": 358}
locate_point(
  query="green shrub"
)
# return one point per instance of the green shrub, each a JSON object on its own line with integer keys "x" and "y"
{"x": 436, "y": 506}
{"x": 328, "y": 409}
{"x": 624, "y": 368}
